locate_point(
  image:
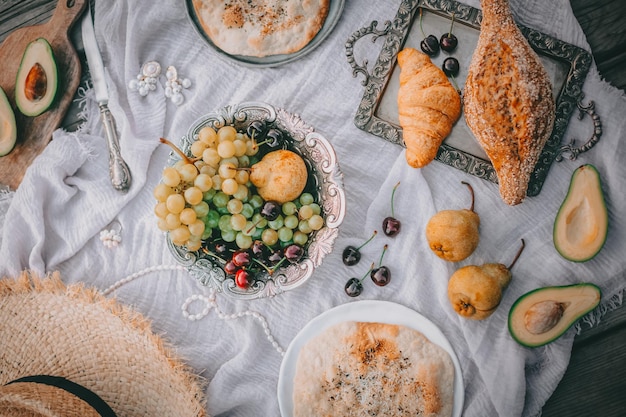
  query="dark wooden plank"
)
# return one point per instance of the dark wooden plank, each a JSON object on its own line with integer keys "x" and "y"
{"x": 603, "y": 22}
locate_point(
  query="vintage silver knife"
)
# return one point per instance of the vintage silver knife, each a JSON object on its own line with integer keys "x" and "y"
{"x": 118, "y": 169}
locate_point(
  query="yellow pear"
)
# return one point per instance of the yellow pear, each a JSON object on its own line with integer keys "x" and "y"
{"x": 279, "y": 176}
{"x": 453, "y": 234}
{"x": 475, "y": 291}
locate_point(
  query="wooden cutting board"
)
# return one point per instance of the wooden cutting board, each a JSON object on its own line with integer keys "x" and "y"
{"x": 34, "y": 133}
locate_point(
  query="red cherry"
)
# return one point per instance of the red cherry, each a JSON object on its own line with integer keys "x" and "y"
{"x": 242, "y": 278}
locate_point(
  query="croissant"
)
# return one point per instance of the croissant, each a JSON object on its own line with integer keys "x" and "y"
{"x": 428, "y": 106}
{"x": 508, "y": 101}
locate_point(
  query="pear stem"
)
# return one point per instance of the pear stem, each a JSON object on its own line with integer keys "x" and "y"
{"x": 519, "y": 252}
{"x": 393, "y": 192}
{"x": 368, "y": 240}
{"x": 380, "y": 261}
{"x": 177, "y": 150}
{"x": 471, "y": 192}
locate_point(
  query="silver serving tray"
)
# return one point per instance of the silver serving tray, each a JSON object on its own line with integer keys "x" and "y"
{"x": 377, "y": 113}
{"x": 334, "y": 13}
{"x": 324, "y": 173}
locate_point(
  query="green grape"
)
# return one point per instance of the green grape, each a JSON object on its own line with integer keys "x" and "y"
{"x": 201, "y": 209}
{"x": 180, "y": 235}
{"x": 226, "y": 149}
{"x": 304, "y": 227}
{"x": 316, "y": 208}
{"x": 208, "y": 195}
{"x": 203, "y": 182}
{"x": 211, "y": 157}
{"x": 249, "y": 229}
{"x": 227, "y": 170}
{"x": 240, "y": 147}
{"x": 247, "y": 210}
{"x": 306, "y": 199}
{"x": 285, "y": 234}
{"x": 188, "y": 216}
{"x": 188, "y": 172}
{"x": 277, "y": 223}
{"x": 224, "y": 222}
{"x": 207, "y": 233}
{"x": 222, "y": 210}
{"x": 244, "y": 161}
{"x": 256, "y": 201}
{"x": 234, "y": 206}
{"x": 197, "y": 228}
{"x": 291, "y": 221}
{"x": 300, "y": 238}
{"x": 212, "y": 219}
{"x": 217, "y": 182}
{"x": 289, "y": 208}
{"x": 226, "y": 134}
{"x": 243, "y": 241}
{"x": 220, "y": 199}
{"x": 242, "y": 192}
{"x": 259, "y": 221}
{"x": 230, "y": 186}
{"x": 229, "y": 235}
{"x": 193, "y": 195}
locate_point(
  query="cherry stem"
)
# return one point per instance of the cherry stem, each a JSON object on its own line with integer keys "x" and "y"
{"x": 367, "y": 274}
{"x": 519, "y": 252}
{"x": 421, "y": 23}
{"x": 471, "y": 192}
{"x": 208, "y": 252}
{"x": 177, "y": 150}
{"x": 368, "y": 240}
{"x": 451, "y": 24}
{"x": 392, "y": 194}
{"x": 380, "y": 261}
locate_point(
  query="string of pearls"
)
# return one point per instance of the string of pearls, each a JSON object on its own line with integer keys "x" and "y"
{"x": 210, "y": 303}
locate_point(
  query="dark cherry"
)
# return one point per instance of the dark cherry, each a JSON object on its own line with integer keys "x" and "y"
{"x": 241, "y": 258}
{"x": 391, "y": 225}
{"x": 354, "y": 286}
{"x": 258, "y": 248}
{"x": 381, "y": 275}
{"x": 430, "y": 43}
{"x": 451, "y": 66}
{"x": 275, "y": 257}
{"x": 221, "y": 248}
{"x": 256, "y": 129}
{"x": 230, "y": 268}
{"x": 274, "y": 138}
{"x": 449, "y": 41}
{"x": 242, "y": 278}
{"x": 351, "y": 254}
{"x": 293, "y": 253}
{"x": 270, "y": 210}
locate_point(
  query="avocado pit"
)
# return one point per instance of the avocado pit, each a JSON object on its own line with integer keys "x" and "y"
{"x": 543, "y": 316}
{"x": 36, "y": 83}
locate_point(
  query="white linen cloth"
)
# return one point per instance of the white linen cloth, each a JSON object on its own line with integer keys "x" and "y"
{"x": 52, "y": 222}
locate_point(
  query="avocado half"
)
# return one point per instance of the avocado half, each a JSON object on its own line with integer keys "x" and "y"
{"x": 8, "y": 127}
{"x": 582, "y": 222}
{"x": 37, "y": 79}
{"x": 543, "y": 315}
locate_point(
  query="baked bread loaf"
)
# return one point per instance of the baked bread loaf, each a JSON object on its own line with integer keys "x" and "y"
{"x": 372, "y": 369}
{"x": 261, "y": 28}
{"x": 508, "y": 100}
{"x": 428, "y": 106}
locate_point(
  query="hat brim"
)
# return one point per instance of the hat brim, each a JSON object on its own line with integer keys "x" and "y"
{"x": 48, "y": 328}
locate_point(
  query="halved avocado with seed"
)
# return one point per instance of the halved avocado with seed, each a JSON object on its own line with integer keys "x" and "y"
{"x": 543, "y": 315}
{"x": 8, "y": 127}
{"x": 581, "y": 225}
{"x": 37, "y": 79}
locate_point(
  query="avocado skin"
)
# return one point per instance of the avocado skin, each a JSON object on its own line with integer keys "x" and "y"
{"x": 45, "y": 57}
{"x": 7, "y": 115}
{"x": 562, "y": 212}
{"x": 592, "y": 299}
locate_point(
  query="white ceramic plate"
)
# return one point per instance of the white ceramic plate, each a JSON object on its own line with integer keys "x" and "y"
{"x": 366, "y": 311}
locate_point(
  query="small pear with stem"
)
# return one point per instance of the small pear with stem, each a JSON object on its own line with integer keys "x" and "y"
{"x": 476, "y": 291}
{"x": 453, "y": 234}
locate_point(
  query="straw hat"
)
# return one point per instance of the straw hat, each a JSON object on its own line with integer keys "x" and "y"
{"x": 82, "y": 352}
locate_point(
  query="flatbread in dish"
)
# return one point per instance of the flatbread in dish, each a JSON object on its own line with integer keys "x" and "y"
{"x": 261, "y": 27}
{"x": 372, "y": 369}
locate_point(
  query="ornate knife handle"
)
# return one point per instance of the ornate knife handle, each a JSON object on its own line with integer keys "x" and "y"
{"x": 120, "y": 174}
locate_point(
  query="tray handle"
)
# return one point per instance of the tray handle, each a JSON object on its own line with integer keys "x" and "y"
{"x": 372, "y": 29}
{"x": 574, "y": 151}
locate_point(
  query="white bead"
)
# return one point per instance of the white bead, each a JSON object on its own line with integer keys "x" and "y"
{"x": 178, "y": 99}
{"x": 186, "y": 83}
{"x": 132, "y": 84}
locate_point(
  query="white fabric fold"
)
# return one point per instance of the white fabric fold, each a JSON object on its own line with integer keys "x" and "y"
{"x": 52, "y": 222}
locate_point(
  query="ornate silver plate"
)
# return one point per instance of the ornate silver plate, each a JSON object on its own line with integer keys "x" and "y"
{"x": 324, "y": 174}
{"x": 567, "y": 65}
{"x": 334, "y": 13}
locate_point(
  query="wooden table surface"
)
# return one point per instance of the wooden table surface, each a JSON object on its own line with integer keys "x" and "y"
{"x": 595, "y": 381}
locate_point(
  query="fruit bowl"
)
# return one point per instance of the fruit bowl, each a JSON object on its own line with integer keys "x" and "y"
{"x": 324, "y": 185}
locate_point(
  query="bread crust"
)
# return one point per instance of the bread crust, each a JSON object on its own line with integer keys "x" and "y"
{"x": 508, "y": 101}
{"x": 261, "y": 28}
